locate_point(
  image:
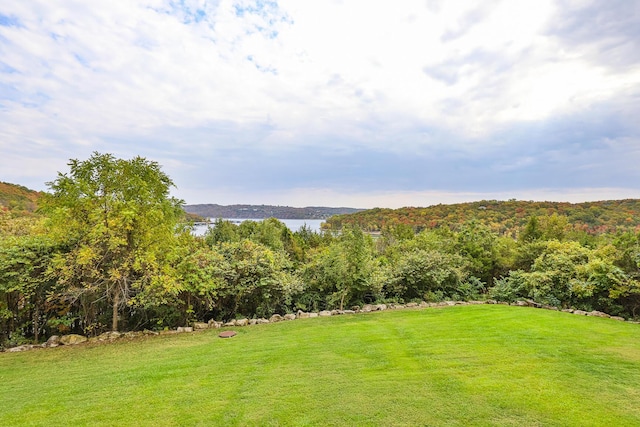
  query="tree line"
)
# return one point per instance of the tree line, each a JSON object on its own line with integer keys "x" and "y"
{"x": 111, "y": 250}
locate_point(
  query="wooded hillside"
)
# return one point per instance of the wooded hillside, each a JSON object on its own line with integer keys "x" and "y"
{"x": 17, "y": 198}
{"x": 503, "y": 217}
{"x": 266, "y": 211}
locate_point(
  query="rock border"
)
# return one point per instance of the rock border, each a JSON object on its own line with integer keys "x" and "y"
{"x": 74, "y": 339}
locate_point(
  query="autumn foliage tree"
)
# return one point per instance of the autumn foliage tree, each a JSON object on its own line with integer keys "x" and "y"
{"x": 119, "y": 220}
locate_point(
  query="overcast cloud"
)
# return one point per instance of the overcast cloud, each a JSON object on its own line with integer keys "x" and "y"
{"x": 352, "y": 103}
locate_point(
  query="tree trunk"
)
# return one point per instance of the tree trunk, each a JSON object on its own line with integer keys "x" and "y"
{"x": 36, "y": 325}
{"x": 114, "y": 320}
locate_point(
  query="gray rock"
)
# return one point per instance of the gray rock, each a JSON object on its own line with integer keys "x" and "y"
{"x": 230, "y": 323}
{"x": 411, "y": 304}
{"x": 567, "y": 310}
{"x": 355, "y": 308}
{"x": 302, "y": 315}
{"x": 242, "y": 322}
{"x": 72, "y": 339}
{"x": 580, "y": 312}
{"x": 596, "y": 313}
{"x": 214, "y": 325}
{"x": 522, "y": 304}
{"x": 135, "y": 334}
{"x": 367, "y": 308}
{"x": 381, "y": 307}
{"x": 621, "y": 319}
{"x": 313, "y": 315}
{"x": 289, "y": 316}
{"x": 275, "y": 318}
{"x": 324, "y": 313}
{"x": 109, "y": 336}
{"x": 53, "y": 341}
{"x": 253, "y": 321}
{"x": 262, "y": 321}
{"x": 491, "y": 301}
{"x": 20, "y": 348}
{"x": 183, "y": 329}
{"x": 200, "y": 325}
{"x": 348, "y": 312}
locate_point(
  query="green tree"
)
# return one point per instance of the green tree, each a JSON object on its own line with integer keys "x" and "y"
{"x": 345, "y": 270}
{"x": 25, "y": 283}
{"x": 120, "y": 222}
{"x": 251, "y": 279}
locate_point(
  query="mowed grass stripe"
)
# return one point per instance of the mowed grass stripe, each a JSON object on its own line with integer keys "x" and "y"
{"x": 464, "y": 365}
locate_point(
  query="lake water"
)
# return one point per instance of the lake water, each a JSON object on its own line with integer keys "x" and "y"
{"x": 292, "y": 224}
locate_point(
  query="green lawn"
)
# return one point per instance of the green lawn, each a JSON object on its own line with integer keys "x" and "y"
{"x": 464, "y": 365}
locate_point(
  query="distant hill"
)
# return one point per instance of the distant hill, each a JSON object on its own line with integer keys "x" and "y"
{"x": 503, "y": 217}
{"x": 18, "y": 199}
{"x": 266, "y": 211}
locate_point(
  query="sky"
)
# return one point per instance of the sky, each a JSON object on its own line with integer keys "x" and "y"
{"x": 329, "y": 102}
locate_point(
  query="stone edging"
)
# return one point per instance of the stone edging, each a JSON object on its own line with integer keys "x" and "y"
{"x": 73, "y": 339}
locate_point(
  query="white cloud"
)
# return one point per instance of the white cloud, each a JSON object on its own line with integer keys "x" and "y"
{"x": 177, "y": 79}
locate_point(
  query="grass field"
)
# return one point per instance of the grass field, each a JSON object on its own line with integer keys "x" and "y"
{"x": 465, "y": 365}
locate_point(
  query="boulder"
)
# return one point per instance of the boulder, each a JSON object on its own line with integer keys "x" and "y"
{"x": 302, "y": 315}
{"x": 200, "y": 325}
{"x": 242, "y": 322}
{"x": 348, "y": 312}
{"x": 275, "y": 318}
{"x": 20, "y": 348}
{"x": 411, "y": 304}
{"x": 324, "y": 313}
{"x": 423, "y": 304}
{"x": 621, "y": 319}
{"x": 522, "y": 304}
{"x": 567, "y": 310}
{"x": 580, "y": 312}
{"x": 230, "y": 323}
{"x": 355, "y": 308}
{"x": 381, "y": 307}
{"x": 597, "y": 314}
{"x": 109, "y": 336}
{"x": 261, "y": 321}
{"x": 491, "y": 301}
{"x": 72, "y": 339}
{"x": 336, "y": 312}
{"x": 135, "y": 334}
{"x": 253, "y": 321}
{"x": 53, "y": 341}
{"x": 289, "y": 316}
{"x": 183, "y": 329}
{"x": 148, "y": 332}
{"x": 313, "y": 315}
{"x": 532, "y": 303}
{"x": 214, "y": 325}
{"x": 367, "y": 308}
